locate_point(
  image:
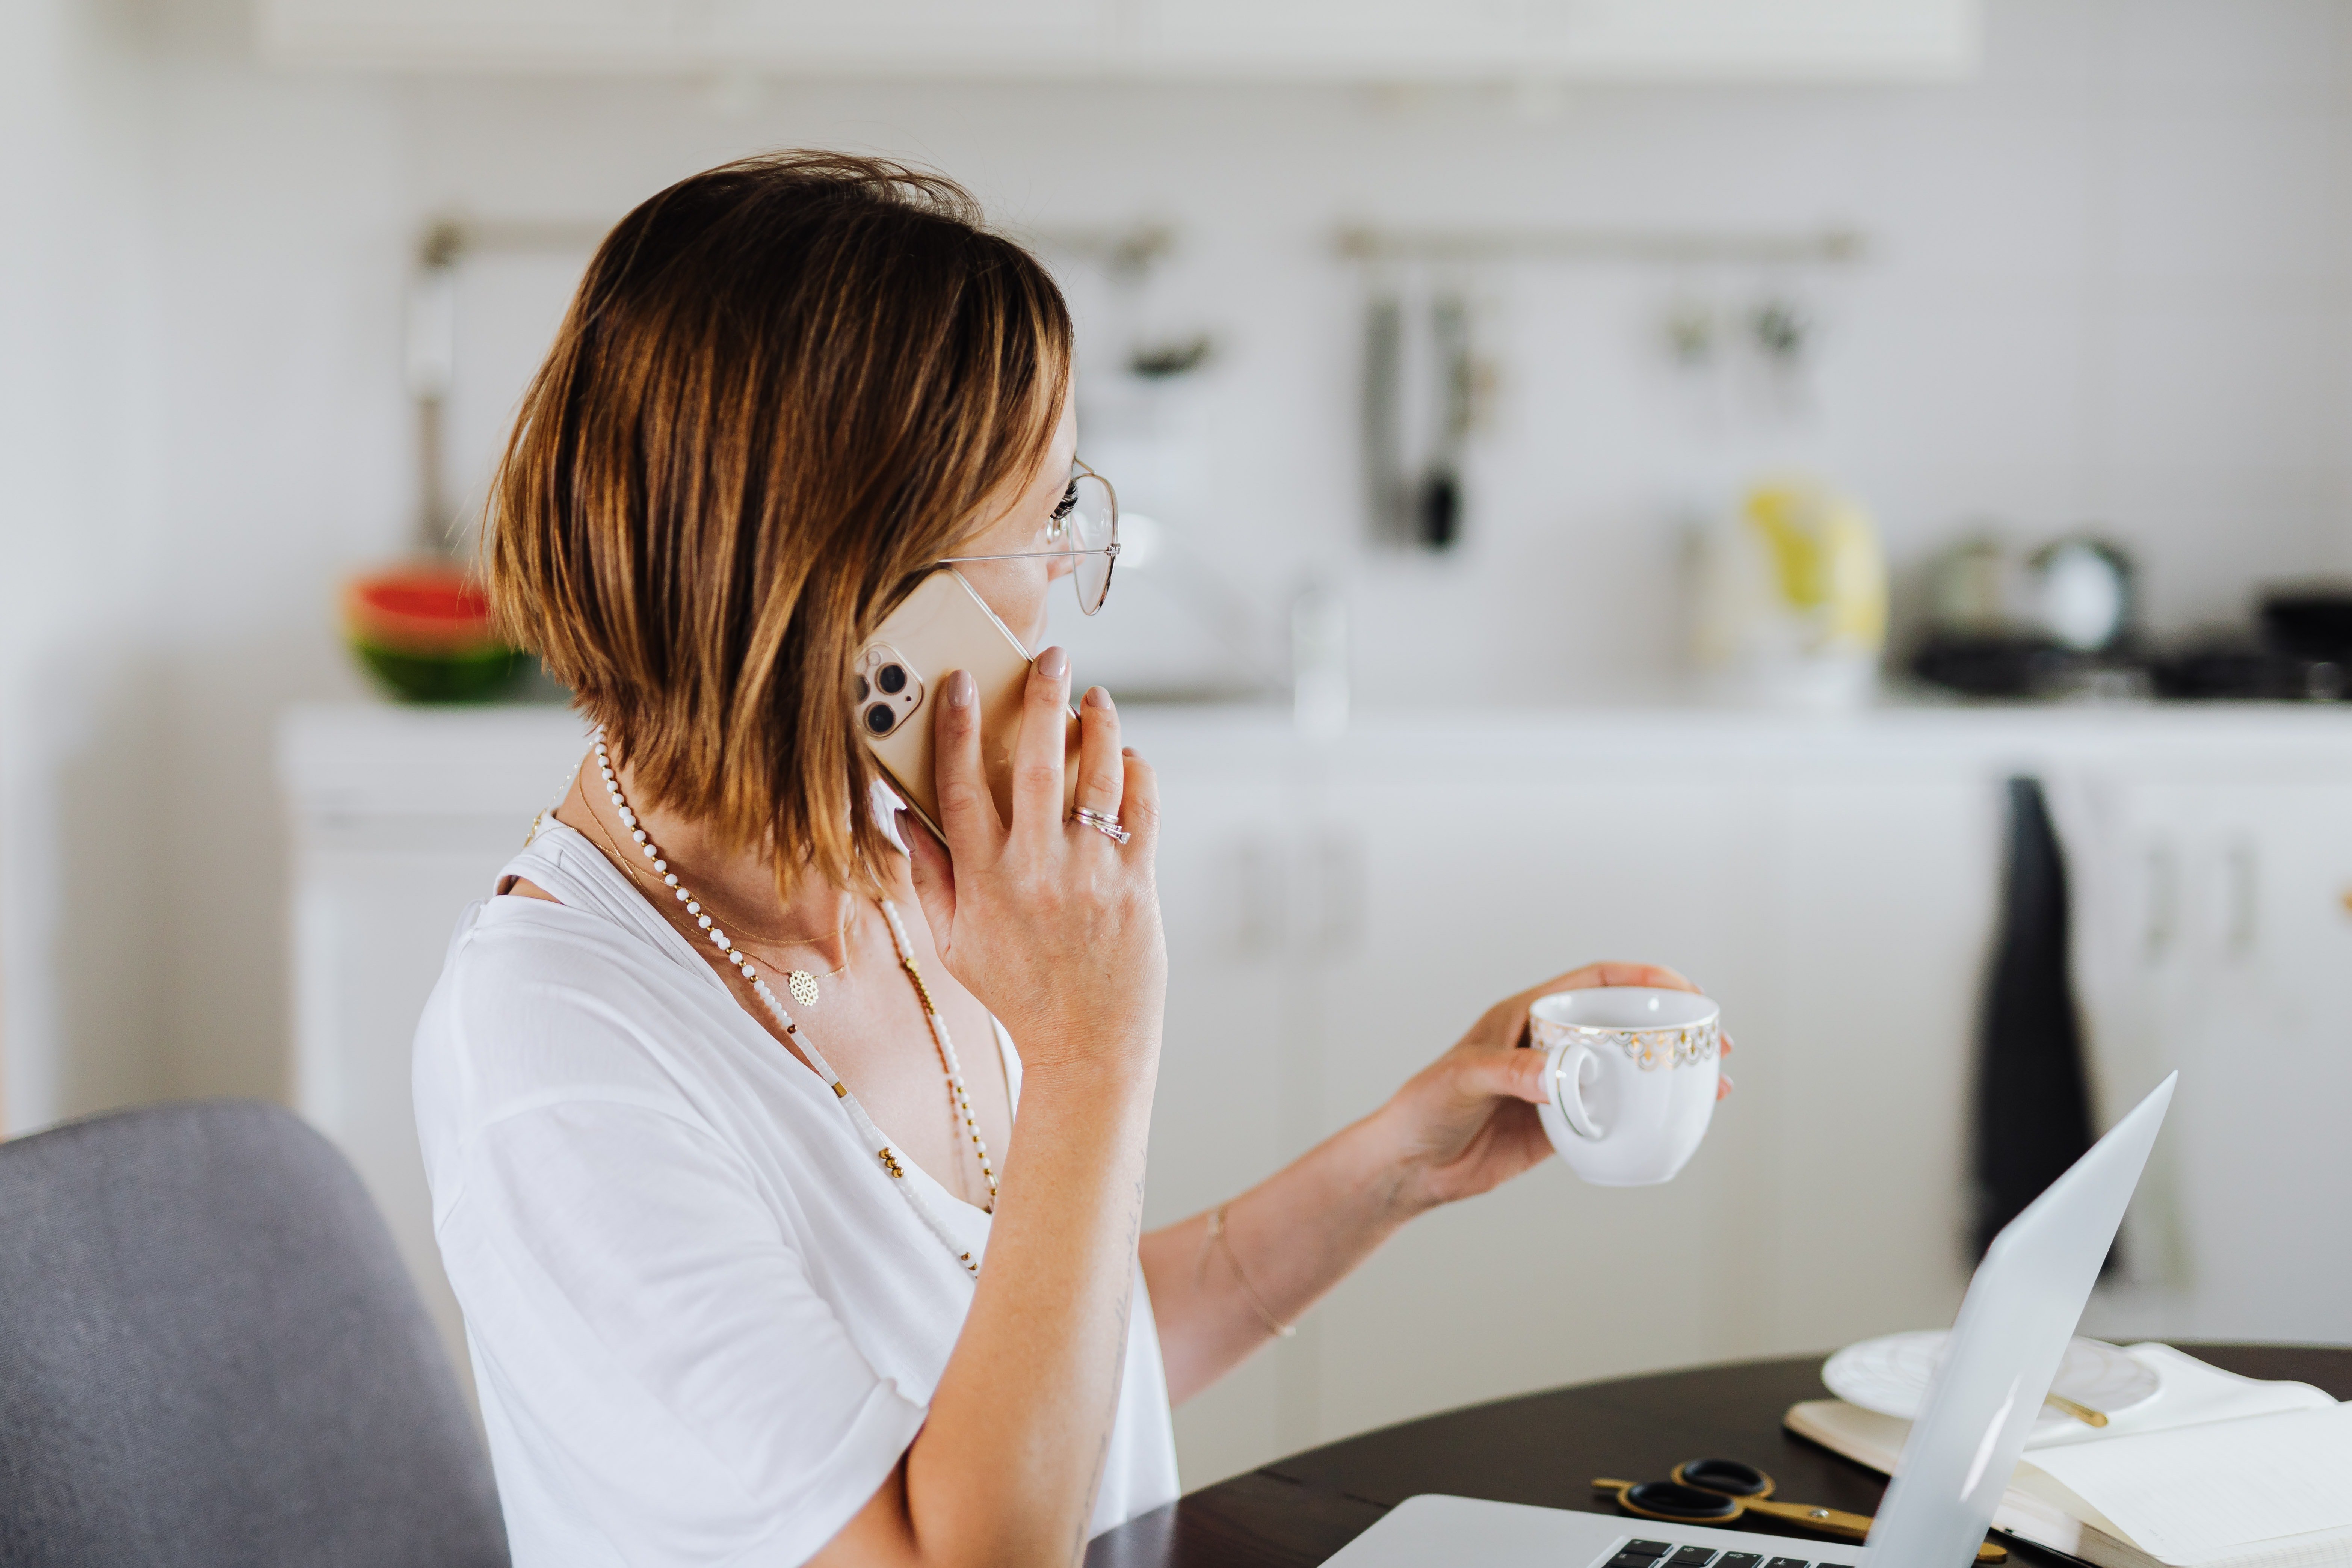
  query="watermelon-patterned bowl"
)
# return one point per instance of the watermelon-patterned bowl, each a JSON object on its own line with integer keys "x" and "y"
{"x": 423, "y": 629}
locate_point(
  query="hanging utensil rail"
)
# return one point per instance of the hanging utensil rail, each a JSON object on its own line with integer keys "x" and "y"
{"x": 1367, "y": 242}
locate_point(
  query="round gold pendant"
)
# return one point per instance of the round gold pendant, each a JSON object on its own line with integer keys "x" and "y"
{"x": 803, "y": 987}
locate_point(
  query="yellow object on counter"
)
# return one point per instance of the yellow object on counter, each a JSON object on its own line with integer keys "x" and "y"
{"x": 1826, "y": 562}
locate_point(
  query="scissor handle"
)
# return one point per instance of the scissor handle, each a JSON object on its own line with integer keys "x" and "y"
{"x": 1850, "y": 1526}
{"x": 1827, "y": 1520}
{"x": 1683, "y": 1505}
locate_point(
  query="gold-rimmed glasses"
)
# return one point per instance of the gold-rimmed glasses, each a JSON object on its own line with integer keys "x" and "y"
{"x": 1084, "y": 527}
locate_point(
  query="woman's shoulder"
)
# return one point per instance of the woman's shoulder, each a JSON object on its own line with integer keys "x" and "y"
{"x": 539, "y": 1002}
{"x": 516, "y": 953}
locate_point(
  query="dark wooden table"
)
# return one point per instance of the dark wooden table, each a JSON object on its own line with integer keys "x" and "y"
{"x": 1547, "y": 1447}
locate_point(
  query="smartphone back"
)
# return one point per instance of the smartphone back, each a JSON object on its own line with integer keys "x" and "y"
{"x": 944, "y": 626}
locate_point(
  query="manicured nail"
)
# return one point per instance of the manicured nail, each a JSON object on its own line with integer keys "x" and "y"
{"x": 1053, "y": 664}
{"x": 1097, "y": 698}
{"x": 961, "y": 689}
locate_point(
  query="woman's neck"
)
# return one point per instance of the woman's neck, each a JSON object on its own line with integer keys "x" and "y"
{"x": 734, "y": 885}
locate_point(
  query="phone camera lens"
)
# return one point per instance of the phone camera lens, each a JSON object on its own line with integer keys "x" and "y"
{"x": 879, "y": 718}
{"x": 891, "y": 678}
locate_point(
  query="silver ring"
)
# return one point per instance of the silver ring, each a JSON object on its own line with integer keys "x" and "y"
{"x": 1106, "y": 826}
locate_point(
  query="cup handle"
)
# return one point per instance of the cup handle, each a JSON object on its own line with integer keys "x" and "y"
{"x": 1567, "y": 1088}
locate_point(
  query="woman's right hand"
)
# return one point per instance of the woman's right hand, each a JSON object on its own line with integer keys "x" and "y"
{"x": 1055, "y": 928}
{"x": 1052, "y": 924}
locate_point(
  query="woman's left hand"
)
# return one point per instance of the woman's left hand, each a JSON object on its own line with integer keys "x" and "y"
{"x": 1467, "y": 1121}
{"x": 1463, "y": 1124}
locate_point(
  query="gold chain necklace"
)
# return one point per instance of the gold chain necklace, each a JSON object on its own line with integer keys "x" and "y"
{"x": 802, "y": 983}
{"x": 891, "y": 1160}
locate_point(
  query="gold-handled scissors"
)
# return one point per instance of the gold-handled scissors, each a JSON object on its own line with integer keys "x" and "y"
{"x": 1717, "y": 1491}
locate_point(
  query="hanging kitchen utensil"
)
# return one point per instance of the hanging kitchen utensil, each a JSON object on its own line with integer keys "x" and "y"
{"x": 1438, "y": 514}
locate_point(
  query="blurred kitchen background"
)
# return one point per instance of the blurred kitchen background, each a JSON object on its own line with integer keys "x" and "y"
{"x": 1601, "y": 480}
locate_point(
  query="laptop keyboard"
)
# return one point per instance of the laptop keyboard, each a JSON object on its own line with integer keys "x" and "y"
{"x": 1666, "y": 1554}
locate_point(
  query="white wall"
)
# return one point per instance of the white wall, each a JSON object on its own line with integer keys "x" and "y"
{"x": 79, "y": 342}
{"x": 2108, "y": 281}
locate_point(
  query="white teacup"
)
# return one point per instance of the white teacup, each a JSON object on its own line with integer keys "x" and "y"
{"x": 1630, "y": 1074}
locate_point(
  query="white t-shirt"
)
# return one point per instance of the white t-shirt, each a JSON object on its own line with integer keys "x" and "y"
{"x": 703, "y": 1324}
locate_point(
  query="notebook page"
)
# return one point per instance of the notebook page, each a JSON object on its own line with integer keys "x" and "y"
{"x": 2189, "y": 1392}
{"x": 2199, "y": 1492}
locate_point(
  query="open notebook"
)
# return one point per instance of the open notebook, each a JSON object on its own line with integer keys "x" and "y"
{"x": 2213, "y": 1471}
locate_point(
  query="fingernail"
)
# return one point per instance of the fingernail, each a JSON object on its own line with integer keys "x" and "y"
{"x": 961, "y": 689}
{"x": 1053, "y": 664}
{"x": 1097, "y": 698}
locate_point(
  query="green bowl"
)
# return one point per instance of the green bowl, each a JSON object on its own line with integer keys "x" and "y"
{"x": 477, "y": 676}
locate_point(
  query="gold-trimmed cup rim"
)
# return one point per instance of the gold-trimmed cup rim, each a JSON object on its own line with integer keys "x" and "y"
{"x": 1624, "y": 1009}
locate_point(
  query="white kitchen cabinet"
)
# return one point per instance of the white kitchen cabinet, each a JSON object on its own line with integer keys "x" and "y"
{"x": 1837, "y": 908}
{"x": 1361, "y": 40}
{"x": 402, "y": 816}
{"x": 1882, "y": 908}
{"x": 1473, "y": 875}
{"x": 373, "y": 917}
{"x": 2222, "y": 947}
{"x": 1836, "y": 900}
{"x": 1228, "y": 1075}
{"x": 2270, "y": 1054}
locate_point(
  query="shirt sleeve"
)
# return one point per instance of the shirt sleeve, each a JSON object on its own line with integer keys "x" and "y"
{"x": 654, "y": 1341}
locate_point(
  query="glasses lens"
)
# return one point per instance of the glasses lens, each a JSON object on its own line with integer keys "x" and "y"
{"x": 1093, "y": 529}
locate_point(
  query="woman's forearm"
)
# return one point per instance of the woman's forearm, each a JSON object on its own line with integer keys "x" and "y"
{"x": 1461, "y": 1126}
{"x": 1005, "y": 1468}
{"x": 1289, "y": 1240}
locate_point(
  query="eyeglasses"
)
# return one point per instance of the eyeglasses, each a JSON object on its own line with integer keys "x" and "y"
{"x": 1085, "y": 523}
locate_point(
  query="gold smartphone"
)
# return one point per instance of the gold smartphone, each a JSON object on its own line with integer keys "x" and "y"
{"x": 943, "y": 626}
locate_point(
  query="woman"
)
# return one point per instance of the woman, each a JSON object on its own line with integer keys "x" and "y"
{"x": 766, "y": 1273}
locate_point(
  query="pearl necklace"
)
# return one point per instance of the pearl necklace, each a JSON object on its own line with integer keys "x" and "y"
{"x": 891, "y": 1160}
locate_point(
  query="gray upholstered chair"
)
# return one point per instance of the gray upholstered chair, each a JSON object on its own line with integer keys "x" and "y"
{"x": 210, "y": 1354}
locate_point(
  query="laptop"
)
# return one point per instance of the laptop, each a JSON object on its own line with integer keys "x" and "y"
{"x": 2020, "y": 1312}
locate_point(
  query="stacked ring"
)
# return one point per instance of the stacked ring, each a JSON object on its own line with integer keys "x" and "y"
{"x": 1106, "y": 826}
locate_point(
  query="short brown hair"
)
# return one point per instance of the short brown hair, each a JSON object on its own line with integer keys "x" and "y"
{"x": 785, "y": 386}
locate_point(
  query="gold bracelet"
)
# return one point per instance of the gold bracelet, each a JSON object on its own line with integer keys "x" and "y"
{"x": 1217, "y": 1238}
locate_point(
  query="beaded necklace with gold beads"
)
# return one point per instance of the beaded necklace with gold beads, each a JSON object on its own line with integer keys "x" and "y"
{"x": 891, "y": 1160}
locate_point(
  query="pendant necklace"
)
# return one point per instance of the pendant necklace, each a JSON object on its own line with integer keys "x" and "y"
{"x": 891, "y": 1160}
{"x": 803, "y": 984}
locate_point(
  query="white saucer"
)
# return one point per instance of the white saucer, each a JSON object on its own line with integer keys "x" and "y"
{"x": 1890, "y": 1376}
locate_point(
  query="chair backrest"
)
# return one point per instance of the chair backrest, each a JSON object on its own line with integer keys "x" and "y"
{"x": 211, "y": 1353}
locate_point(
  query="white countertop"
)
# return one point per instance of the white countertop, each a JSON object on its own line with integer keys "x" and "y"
{"x": 381, "y": 758}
